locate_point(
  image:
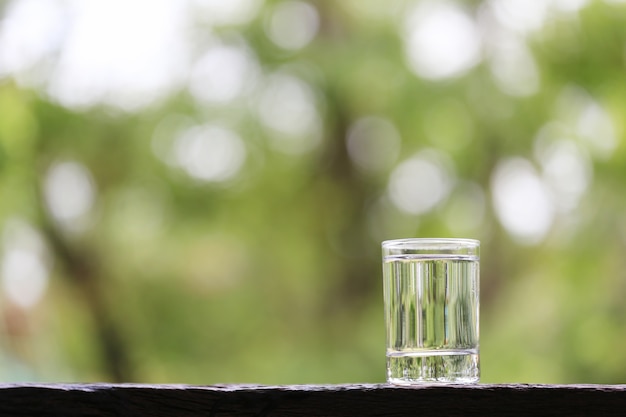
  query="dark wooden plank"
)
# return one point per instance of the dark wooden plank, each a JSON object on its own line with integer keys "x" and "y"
{"x": 126, "y": 400}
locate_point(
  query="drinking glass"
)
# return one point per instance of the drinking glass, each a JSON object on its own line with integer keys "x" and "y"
{"x": 431, "y": 298}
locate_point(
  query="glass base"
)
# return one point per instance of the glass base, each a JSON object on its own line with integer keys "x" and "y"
{"x": 448, "y": 367}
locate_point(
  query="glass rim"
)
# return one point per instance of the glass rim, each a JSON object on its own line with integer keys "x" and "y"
{"x": 445, "y": 247}
{"x": 427, "y": 241}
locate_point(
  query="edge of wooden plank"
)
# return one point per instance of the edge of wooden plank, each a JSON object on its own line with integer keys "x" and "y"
{"x": 309, "y": 387}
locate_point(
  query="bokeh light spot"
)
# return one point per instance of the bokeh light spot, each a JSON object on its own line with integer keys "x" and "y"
{"x": 69, "y": 193}
{"x": 441, "y": 40}
{"x": 592, "y": 124}
{"x": 210, "y": 153}
{"x": 420, "y": 183}
{"x": 24, "y": 277}
{"x": 569, "y": 6}
{"x": 23, "y": 267}
{"x": 29, "y": 32}
{"x": 231, "y": 12}
{"x": 566, "y": 167}
{"x": 223, "y": 73}
{"x": 522, "y": 201}
{"x": 124, "y": 54}
{"x": 293, "y": 24}
{"x": 287, "y": 108}
{"x": 596, "y": 128}
{"x": 513, "y": 67}
{"x": 520, "y": 15}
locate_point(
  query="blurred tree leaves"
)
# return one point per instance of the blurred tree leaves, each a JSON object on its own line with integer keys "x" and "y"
{"x": 273, "y": 275}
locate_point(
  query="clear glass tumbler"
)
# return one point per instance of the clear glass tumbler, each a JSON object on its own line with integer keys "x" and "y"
{"x": 431, "y": 291}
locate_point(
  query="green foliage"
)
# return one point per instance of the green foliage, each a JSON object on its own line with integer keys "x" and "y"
{"x": 273, "y": 276}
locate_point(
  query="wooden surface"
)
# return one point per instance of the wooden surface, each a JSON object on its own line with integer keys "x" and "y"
{"x": 122, "y": 400}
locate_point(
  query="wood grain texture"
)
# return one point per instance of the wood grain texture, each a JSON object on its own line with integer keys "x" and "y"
{"x": 125, "y": 400}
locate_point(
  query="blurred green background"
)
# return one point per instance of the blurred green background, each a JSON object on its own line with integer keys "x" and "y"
{"x": 195, "y": 191}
